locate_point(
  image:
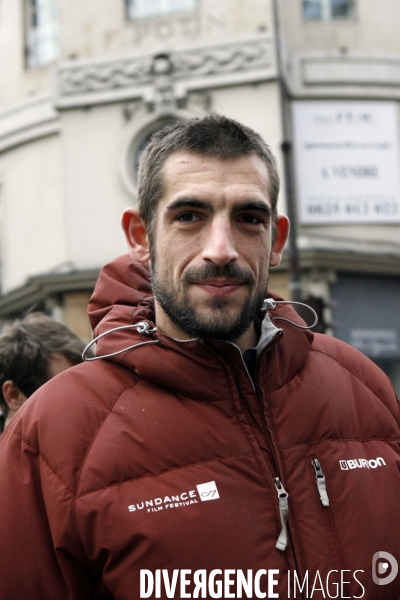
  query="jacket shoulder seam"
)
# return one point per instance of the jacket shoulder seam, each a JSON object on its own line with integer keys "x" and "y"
{"x": 344, "y": 366}
{"x": 43, "y": 459}
{"x": 341, "y": 440}
{"x": 339, "y": 363}
{"x": 94, "y": 437}
{"x": 203, "y": 462}
{"x": 76, "y": 495}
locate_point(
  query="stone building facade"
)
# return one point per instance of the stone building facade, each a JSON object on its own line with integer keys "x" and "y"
{"x": 85, "y": 84}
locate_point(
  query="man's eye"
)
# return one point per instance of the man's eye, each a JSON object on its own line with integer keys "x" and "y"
{"x": 250, "y": 219}
{"x": 188, "y": 218}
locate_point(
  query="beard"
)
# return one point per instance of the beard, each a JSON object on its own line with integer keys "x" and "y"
{"x": 218, "y": 322}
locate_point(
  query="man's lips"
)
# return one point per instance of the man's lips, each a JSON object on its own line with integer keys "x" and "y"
{"x": 219, "y": 287}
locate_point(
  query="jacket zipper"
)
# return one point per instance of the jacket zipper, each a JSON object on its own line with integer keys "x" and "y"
{"x": 327, "y": 510}
{"x": 283, "y": 496}
{"x": 282, "y": 541}
{"x": 321, "y": 483}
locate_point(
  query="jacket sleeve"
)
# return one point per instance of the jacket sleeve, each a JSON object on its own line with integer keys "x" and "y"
{"x": 41, "y": 556}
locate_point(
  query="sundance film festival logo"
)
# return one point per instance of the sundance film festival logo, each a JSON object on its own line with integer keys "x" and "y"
{"x": 381, "y": 561}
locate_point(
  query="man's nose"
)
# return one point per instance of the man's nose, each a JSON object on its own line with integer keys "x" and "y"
{"x": 219, "y": 245}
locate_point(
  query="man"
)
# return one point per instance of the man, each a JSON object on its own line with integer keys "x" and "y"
{"x": 32, "y": 351}
{"x": 169, "y": 472}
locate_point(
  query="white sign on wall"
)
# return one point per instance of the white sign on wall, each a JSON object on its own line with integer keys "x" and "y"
{"x": 347, "y": 162}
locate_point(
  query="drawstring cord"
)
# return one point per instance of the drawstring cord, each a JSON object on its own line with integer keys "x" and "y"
{"x": 270, "y": 304}
{"x": 142, "y": 327}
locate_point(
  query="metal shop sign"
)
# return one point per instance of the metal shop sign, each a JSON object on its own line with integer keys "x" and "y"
{"x": 347, "y": 162}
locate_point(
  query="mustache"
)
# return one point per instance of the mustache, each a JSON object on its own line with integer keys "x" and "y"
{"x": 228, "y": 271}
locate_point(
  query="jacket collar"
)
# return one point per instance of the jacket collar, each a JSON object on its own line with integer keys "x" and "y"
{"x": 123, "y": 296}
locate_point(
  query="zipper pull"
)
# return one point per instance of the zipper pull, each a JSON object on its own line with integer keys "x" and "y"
{"x": 321, "y": 483}
{"x": 283, "y": 511}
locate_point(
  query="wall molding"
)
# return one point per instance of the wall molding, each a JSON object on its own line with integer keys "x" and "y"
{"x": 344, "y": 75}
{"x": 25, "y": 121}
{"x": 40, "y": 287}
{"x": 89, "y": 82}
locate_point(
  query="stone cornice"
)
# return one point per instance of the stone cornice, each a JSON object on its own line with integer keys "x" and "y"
{"x": 342, "y": 75}
{"x": 40, "y": 287}
{"x": 83, "y": 83}
{"x": 244, "y": 60}
{"x": 349, "y": 253}
{"x": 351, "y": 262}
{"x": 344, "y": 260}
{"x": 312, "y": 255}
{"x": 33, "y": 118}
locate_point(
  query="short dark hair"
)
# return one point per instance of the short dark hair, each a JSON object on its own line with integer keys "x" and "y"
{"x": 27, "y": 344}
{"x": 213, "y": 135}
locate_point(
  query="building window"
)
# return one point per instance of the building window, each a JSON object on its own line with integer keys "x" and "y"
{"x": 41, "y": 32}
{"x": 326, "y": 10}
{"x": 154, "y": 8}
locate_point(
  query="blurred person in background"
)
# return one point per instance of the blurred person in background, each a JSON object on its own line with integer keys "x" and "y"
{"x": 32, "y": 350}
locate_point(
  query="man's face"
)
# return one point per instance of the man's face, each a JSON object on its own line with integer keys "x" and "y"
{"x": 211, "y": 246}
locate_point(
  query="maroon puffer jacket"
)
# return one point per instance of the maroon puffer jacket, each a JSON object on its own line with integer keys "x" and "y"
{"x": 163, "y": 457}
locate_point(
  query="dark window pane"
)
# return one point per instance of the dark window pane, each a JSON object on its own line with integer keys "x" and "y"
{"x": 341, "y": 9}
{"x": 312, "y": 9}
{"x": 32, "y": 13}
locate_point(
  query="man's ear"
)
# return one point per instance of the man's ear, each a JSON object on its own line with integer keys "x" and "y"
{"x": 136, "y": 235}
{"x": 12, "y": 395}
{"x": 281, "y": 235}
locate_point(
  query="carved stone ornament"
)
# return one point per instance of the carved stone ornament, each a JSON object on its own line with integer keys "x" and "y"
{"x": 164, "y": 92}
{"x": 226, "y": 59}
{"x": 104, "y": 76}
{"x": 156, "y": 77}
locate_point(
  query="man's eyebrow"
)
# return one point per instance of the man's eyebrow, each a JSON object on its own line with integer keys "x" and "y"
{"x": 195, "y": 203}
{"x": 189, "y": 203}
{"x": 254, "y": 205}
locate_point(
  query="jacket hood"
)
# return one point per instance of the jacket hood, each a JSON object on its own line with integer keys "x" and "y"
{"x": 123, "y": 297}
